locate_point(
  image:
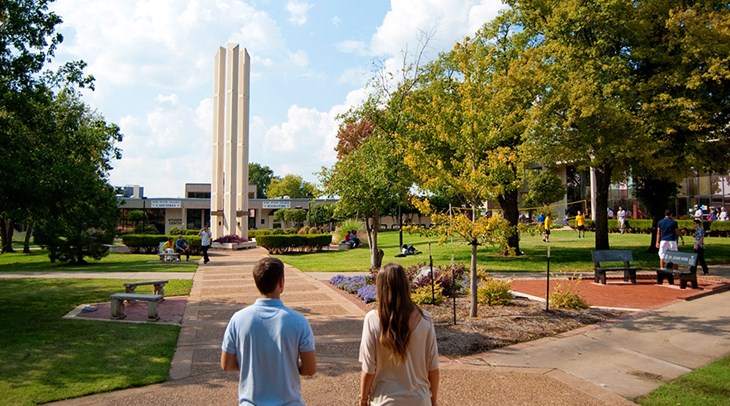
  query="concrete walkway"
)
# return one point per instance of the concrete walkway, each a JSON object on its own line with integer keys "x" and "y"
{"x": 597, "y": 365}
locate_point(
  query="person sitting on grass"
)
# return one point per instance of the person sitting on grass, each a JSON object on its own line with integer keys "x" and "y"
{"x": 182, "y": 247}
{"x": 352, "y": 239}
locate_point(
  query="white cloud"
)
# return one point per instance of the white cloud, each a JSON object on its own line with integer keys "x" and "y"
{"x": 352, "y": 47}
{"x": 153, "y": 61}
{"x": 171, "y": 99}
{"x": 298, "y": 11}
{"x": 408, "y": 19}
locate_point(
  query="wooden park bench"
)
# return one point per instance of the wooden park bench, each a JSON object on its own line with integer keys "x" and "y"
{"x": 117, "y": 304}
{"x": 159, "y": 286}
{"x": 687, "y": 269}
{"x": 601, "y": 257}
{"x": 167, "y": 256}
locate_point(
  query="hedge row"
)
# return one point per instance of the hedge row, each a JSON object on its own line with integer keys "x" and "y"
{"x": 715, "y": 228}
{"x": 149, "y": 243}
{"x": 283, "y": 243}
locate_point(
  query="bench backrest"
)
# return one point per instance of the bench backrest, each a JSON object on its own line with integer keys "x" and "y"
{"x": 624, "y": 256}
{"x": 129, "y": 284}
{"x": 681, "y": 258}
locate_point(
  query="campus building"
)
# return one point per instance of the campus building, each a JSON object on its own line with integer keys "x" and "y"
{"x": 194, "y": 210}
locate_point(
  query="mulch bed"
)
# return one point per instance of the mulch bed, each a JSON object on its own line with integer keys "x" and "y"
{"x": 500, "y": 326}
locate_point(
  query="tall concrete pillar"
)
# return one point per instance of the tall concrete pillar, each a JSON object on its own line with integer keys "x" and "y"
{"x": 229, "y": 198}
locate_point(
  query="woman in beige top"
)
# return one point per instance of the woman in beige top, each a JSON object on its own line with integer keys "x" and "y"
{"x": 398, "y": 350}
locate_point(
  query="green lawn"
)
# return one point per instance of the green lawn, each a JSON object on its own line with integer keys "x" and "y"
{"x": 709, "y": 385}
{"x": 37, "y": 260}
{"x": 45, "y": 358}
{"x": 568, "y": 253}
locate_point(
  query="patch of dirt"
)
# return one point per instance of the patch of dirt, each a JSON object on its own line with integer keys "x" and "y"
{"x": 499, "y": 326}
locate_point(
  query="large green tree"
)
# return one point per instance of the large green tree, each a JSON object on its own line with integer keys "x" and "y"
{"x": 293, "y": 186}
{"x": 468, "y": 116}
{"x": 77, "y": 213}
{"x": 369, "y": 182}
{"x": 261, "y": 176}
{"x": 627, "y": 84}
{"x": 27, "y": 43}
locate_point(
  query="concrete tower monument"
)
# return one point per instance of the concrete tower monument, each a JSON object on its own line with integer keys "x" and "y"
{"x": 229, "y": 186}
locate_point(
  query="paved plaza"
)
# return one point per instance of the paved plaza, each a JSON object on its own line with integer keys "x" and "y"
{"x": 596, "y": 365}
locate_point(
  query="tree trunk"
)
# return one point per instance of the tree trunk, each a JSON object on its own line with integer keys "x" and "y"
{"x": 652, "y": 243}
{"x": 603, "y": 182}
{"x": 473, "y": 281}
{"x": 26, "y": 243}
{"x": 376, "y": 259}
{"x": 7, "y": 227}
{"x": 508, "y": 204}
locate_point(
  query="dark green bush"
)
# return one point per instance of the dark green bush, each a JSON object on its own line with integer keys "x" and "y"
{"x": 150, "y": 243}
{"x": 257, "y": 233}
{"x": 284, "y": 243}
{"x": 143, "y": 243}
{"x": 720, "y": 228}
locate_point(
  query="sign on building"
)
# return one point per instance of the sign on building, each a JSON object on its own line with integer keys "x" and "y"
{"x": 166, "y": 204}
{"x": 275, "y": 204}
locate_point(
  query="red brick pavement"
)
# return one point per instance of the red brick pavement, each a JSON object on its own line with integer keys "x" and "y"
{"x": 645, "y": 295}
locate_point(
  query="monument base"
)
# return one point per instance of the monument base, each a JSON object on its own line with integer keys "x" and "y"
{"x": 233, "y": 245}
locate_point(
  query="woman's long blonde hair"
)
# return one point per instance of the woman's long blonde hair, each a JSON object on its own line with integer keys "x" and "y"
{"x": 394, "y": 309}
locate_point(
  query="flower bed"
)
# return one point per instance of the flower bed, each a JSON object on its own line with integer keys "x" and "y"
{"x": 360, "y": 285}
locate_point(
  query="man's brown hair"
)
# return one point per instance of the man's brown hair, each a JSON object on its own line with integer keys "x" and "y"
{"x": 267, "y": 273}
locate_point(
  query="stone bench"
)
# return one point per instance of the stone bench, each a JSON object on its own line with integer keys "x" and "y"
{"x": 167, "y": 256}
{"x": 159, "y": 286}
{"x": 601, "y": 257}
{"x": 117, "y": 305}
{"x": 687, "y": 273}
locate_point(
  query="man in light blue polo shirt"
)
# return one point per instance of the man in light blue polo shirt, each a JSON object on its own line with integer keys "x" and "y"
{"x": 268, "y": 344}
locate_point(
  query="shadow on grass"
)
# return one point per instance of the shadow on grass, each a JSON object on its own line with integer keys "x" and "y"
{"x": 47, "y": 358}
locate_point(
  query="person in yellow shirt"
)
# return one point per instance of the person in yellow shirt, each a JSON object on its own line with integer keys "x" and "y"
{"x": 170, "y": 244}
{"x": 580, "y": 223}
{"x": 546, "y": 224}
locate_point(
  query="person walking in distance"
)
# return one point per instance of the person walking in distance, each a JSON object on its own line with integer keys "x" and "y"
{"x": 580, "y": 223}
{"x": 546, "y": 223}
{"x": 398, "y": 350}
{"x": 621, "y": 214}
{"x": 269, "y": 345}
{"x": 205, "y": 236}
{"x": 699, "y": 247}
{"x": 667, "y": 234}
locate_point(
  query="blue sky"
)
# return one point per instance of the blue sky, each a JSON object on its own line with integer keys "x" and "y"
{"x": 310, "y": 61}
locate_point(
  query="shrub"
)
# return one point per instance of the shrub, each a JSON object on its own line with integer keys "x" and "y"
{"x": 257, "y": 233}
{"x": 177, "y": 230}
{"x": 565, "y": 296}
{"x": 284, "y": 243}
{"x": 451, "y": 285}
{"x": 143, "y": 243}
{"x": 720, "y": 228}
{"x": 345, "y": 226}
{"x": 494, "y": 292}
{"x": 231, "y": 238}
{"x": 424, "y": 295}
